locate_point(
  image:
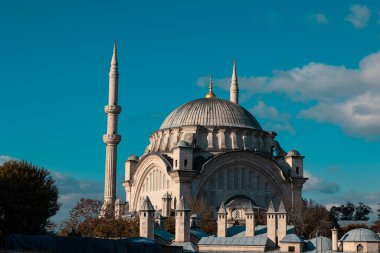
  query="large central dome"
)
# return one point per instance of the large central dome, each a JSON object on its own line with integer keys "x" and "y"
{"x": 210, "y": 112}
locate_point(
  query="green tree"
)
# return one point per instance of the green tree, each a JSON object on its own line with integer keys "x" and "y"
{"x": 347, "y": 211}
{"x": 28, "y": 198}
{"x": 362, "y": 211}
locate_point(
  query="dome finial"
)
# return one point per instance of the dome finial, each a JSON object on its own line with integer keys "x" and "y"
{"x": 210, "y": 94}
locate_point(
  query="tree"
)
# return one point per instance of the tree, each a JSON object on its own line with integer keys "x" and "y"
{"x": 362, "y": 211}
{"x": 28, "y": 198}
{"x": 376, "y": 226}
{"x": 315, "y": 220}
{"x": 378, "y": 212}
{"x": 85, "y": 209}
{"x": 200, "y": 207}
{"x": 84, "y": 221}
{"x": 335, "y": 212}
{"x": 347, "y": 211}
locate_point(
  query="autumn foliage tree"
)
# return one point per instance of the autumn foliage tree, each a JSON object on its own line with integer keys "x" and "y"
{"x": 316, "y": 219}
{"x": 28, "y": 198}
{"x": 85, "y": 210}
{"x": 200, "y": 207}
{"x": 84, "y": 221}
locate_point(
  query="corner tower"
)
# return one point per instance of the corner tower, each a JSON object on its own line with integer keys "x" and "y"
{"x": 111, "y": 138}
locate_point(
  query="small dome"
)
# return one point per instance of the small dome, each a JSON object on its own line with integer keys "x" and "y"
{"x": 293, "y": 152}
{"x": 318, "y": 242}
{"x": 210, "y": 112}
{"x": 118, "y": 202}
{"x": 183, "y": 144}
{"x": 360, "y": 235}
{"x": 133, "y": 158}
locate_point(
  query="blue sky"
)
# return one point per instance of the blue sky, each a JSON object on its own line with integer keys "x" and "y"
{"x": 309, "y": 70}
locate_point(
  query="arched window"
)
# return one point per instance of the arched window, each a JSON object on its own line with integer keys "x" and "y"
{"x": 359, "y": 248}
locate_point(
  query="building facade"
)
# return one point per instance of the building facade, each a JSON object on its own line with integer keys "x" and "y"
{"x": 214, "y": 150}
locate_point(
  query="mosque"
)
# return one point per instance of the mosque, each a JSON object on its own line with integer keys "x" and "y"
{"x": 213, "y": 150}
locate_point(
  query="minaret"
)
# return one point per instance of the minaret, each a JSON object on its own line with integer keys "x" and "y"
{"x": 111, "y": 138}
{"x": 234, "y": 90}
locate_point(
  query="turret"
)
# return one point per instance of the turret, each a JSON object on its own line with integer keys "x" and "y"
{"x": 183, "y": 156}
{"x": 281, "y": 221}
{"x": 234, "y": 89}
{"x": 119, "y": 205}
{"x": 249, "y": 221}
{"x": 130, "y": 169}
{"x": 222, "y": 221}
{"x": 166, "y": 204}
{"x": 111, "y": 138}
{"x": 271, "y": 225}
{"x": 182, "y": 222}
{"x": 295, "y": 161}
{"x": 147, "y": 219}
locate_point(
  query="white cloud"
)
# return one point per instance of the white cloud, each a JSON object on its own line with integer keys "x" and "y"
{"x": 359, "y": 16}
{"x": 275, "y": 120}
{"x": 318, "y": 184}
{"x": 346, "y": 97}
{"x": 320, "y": 19}
{"x": 5, "y": 158}
{"x": 71, "y": 190}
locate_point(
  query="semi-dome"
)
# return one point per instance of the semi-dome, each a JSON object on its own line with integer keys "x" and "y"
{"x": 210, "y": 112}
{"x": 360, "y": 235}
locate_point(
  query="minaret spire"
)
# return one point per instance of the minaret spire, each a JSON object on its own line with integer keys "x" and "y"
{"x": 234, "y": 90}
{"x": 111, "y": 138}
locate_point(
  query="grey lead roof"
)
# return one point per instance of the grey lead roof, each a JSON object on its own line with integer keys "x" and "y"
{"x": 210, "y": 112}
{"x": 293, "y": 238}
{"x": 234, "y": 241}
{"x": 360, "y": 235}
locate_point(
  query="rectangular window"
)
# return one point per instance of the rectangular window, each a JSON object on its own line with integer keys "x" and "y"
{"x": 291, "y": 249}
{"x": 298, "y": 170}
{"x": 185, "y": 163}
{"x": 176, "y": 165}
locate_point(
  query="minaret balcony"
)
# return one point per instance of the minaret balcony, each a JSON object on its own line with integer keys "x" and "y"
{"x": 112, "y": 109}
{"x": 111, "y": 138}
